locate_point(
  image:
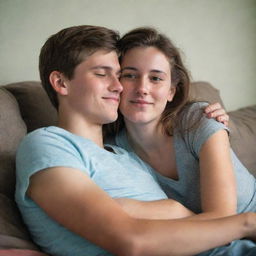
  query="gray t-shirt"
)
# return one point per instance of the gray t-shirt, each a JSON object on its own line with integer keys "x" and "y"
{"x": 118, "y": 174}
{"x": 186, "y": 189}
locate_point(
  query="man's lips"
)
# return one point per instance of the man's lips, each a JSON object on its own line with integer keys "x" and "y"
{"x": 114, "y": 99}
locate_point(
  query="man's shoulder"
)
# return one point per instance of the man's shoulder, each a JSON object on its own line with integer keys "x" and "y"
{"x": 42, "y": 137}
{"x": 46, "y": 133}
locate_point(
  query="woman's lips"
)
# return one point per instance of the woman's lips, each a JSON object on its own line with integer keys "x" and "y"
{"x": 140, "y": 102}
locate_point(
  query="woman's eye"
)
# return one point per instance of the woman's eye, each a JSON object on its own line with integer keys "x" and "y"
{"x": 156, "y": 78}
{"x": 128, "y": 75}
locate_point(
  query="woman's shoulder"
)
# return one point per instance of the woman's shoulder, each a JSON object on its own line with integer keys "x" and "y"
{"x": 190, "y": 116}
{"x": 195, "y": 128}
{"x": 194, "y": 107}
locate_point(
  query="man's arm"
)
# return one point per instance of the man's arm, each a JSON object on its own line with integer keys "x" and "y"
{"x": 75, "y": 201}
{"x": 160, "y": 209}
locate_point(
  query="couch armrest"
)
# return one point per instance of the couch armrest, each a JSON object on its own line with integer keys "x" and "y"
{"x": 36, "y": 109}
{"x": 243, "y": 135}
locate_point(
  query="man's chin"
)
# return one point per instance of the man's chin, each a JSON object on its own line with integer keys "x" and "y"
{"x": 111, "y": 119}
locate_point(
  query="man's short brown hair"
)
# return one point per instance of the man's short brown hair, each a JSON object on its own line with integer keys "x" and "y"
{"x": 66, "y": 49}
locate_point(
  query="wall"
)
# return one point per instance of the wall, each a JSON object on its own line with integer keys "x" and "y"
{"x": 217, "y": 37}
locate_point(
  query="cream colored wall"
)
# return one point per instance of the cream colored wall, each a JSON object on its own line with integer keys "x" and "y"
{"x": 218, "y": 37}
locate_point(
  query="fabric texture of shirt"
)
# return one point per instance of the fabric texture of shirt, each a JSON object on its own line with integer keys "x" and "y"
{"x": 118, "y": 174}
{"x": 186, "y": 189}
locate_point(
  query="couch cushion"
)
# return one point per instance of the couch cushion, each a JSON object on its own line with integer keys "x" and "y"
{"x": 243, "y": 135}
{"x": 18, "y": 252}
{"x": 36, "y": 109}
{"x": 13, "y": 233}
{"x": 12, "y": 130}
{"x": 203, "y": 91}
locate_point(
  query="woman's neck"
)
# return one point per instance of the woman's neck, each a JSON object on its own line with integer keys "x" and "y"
{"x": 147, "y": 138}
{"x": 155, "y": 147}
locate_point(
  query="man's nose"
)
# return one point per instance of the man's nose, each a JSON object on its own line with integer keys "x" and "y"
{"x": 116, "y": 85}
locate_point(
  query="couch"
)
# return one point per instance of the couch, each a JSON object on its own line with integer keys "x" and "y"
{"x": 24, "y": 107}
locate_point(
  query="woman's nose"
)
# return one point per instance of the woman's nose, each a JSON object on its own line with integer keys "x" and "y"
{"x": 142, "y": 86}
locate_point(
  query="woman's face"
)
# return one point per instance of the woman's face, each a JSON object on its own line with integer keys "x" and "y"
{"x": 146, "y": 80}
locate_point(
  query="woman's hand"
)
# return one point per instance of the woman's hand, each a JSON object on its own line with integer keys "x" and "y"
{"x": 216, "y": 111}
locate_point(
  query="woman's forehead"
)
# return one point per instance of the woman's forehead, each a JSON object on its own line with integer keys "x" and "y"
{"x": 149, "y": 58}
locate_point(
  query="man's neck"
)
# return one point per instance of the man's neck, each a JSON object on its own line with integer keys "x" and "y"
{"x": 81, "y": 127}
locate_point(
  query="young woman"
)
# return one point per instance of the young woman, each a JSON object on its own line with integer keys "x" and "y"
{"x": 189, "y": 153}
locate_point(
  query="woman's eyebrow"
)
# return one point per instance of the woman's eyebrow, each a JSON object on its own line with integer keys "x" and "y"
{"x": 129, "y": 68}
{"x": 158, "y": 71}
{"x": 135, "y": 69}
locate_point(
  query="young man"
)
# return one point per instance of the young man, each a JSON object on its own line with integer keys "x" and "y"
{"x": 67, "y": 177}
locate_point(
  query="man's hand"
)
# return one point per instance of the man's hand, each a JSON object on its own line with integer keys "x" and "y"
{"x": 216, "y": 111}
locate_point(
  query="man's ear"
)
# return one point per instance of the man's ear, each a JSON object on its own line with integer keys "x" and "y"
{"x": 58, "y": 82}
{"x": 171, "y": 93}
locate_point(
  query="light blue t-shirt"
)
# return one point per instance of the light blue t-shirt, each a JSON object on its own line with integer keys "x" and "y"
{"x": 186, "y": 189}
{"x": 118, "y": 174}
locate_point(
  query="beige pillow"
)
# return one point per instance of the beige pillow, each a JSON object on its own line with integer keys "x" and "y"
{"x": 13, "y": 233}
{"x": 37, "y": 110}
{"x": 203, "y": 91}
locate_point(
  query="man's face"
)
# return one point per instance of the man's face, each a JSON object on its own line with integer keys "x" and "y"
{"x": 94, "y": 91}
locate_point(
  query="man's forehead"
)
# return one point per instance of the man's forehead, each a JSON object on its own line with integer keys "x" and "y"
{"x": 103, "y": 59}
{"x": 103, "y": 54}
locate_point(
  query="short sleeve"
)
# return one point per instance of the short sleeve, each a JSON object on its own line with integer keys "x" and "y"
{"x": 40, "y": 150}
{"x": 202, "y": 127}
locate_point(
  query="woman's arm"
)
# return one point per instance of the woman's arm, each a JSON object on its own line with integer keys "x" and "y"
{"x": 74, "y": 200}
{"x": 217, "y": 178}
